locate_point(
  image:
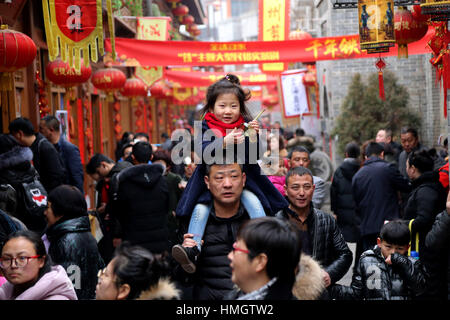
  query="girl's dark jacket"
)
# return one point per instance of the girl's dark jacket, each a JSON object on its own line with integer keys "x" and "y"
{"x": 374, "y": 279}
{"x": 73, "y": 247}
{"x": 426, "y": 201}
{"x": 196, "y": 191}
{"x": 342, "y": 203}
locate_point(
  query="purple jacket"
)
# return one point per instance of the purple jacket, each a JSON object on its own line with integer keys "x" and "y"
{"x": 54, "y": 285}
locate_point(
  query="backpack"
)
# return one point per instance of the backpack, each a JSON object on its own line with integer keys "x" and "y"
{"x": 34, "y": 197}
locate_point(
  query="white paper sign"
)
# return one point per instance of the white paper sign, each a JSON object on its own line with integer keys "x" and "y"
{"x": 294, "y": 93}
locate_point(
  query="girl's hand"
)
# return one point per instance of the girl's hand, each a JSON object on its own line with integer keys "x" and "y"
{"x": 234, "y": 137}
{"x": 254, "y": 124}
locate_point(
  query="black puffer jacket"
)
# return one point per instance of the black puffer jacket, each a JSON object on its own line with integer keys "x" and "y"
{"x": 342, "y": 203}
{"x": 212, "y": 279}
{"x": 73, "y": 246}
{"x": 376, "y": 280}
{"x": 425, "y": 202}
{"x": 141, "y": 206}
{"x": 436, "y": 258}
{"x": 329, "y": 247}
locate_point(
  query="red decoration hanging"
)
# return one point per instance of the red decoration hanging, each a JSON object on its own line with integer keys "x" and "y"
{"x": 180, "y": 11}
{"x": 159, "y": 90}
{"x": 173, "y": 3}
{"x": 17, "y": 51}
{"x": 407, "y": 30}
{"x": 109, "y": 80}
{"x": 134, "y": 88}
{"x": 188, "y": 19}
{"x": 380, "y": 64}
{"x": 441, "y": 56}
{"x": 44, "y": 109}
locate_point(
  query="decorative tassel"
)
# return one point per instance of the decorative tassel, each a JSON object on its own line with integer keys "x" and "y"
{"x": 381, "y": 85}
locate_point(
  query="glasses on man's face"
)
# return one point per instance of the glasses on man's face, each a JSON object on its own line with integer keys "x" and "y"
{"x": 236, "y": 248}
{"x": 19, "y": 261}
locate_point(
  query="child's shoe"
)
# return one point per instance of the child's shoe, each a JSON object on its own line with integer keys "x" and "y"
{"x": 186, "y": 256}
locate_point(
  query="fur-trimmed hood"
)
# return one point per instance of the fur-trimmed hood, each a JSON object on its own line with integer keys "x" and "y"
{"x": 309, "y": 284}
{"x": 15, "y": 156}
{"x": 164, "y": 290}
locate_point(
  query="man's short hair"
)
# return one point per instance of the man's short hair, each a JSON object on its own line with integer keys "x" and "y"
{"x": 142, "y": 151}
{"x": 374, "y": 149}
{"x": 278, "y": 239}
{"x": 22, "y": 124}
{"x": 298, "y": 149}
{"x": 422, "y": 160}
{"x": 51, "y": 122}
{"x": 395, "y": 232}
{"x": 141, "y": 134}
{"x": 164, "y": 135}
{"x": 413, "y": 131}
{"x": 95, "y": 162}
{"x": 298, "y": 171}
{"x": 163, "y": 155}
{"x": 352, "y": 150}
{"x": 209, "y": 166}
{"x": 299, "y": 132}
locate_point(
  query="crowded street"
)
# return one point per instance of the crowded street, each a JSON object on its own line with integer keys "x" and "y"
{"x": 232, "y": 157}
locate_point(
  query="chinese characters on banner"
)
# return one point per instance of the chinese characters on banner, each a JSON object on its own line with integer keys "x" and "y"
{"x": 293, "y": 93}
{"x": 273, "y": 26}
{"x": 155, "y": 28}
{"x": 133, "y": 52}
{"x": 72, "y": 27}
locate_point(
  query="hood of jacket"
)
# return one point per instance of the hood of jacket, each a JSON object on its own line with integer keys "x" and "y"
{"x": 16, "y": 156}
{"x": 80, "y": 224}
{"x": 163, "y": 290}
{"x": 54, "y": 285}
{"x": 118, "y": 167}
{"x": 144, "y": 175}
{"x": 349, "y": 167}
{"x": 309, "y": 284}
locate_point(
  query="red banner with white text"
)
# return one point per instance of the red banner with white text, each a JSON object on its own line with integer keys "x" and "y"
{"x": 132, "y": 52}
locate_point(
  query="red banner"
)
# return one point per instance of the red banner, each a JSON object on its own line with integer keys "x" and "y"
{"x": 132, "y": 52}
{"x": 205, "y": 79}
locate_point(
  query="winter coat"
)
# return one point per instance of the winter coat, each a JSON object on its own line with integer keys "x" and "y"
{"x": 8, "y": 225}
{"x": 403, "y": 156}
{"x": 278, "y": 182}
{"x": 342, "y": 203}
{"x": 374, "y": 189}
{"x": 374, "y": 279}
{"x": 258, "y": 183}
{"x": 163, "y": 290}
{"x": 54, "y": 285}
{"x": 70, "y": 154}
{"x": 319, "y": 192}
{"x": 425, "y": 202}
{"x": 329, "y": 247}
{"x": 141, "y": 206}
{"x": 73, "y": 247}
{"x": 309, "y": 283}
{"x": 48, "y": 163}
{"x": 212, "y": 279}
{"x": 16, "y": 168}
{"x": 436, "y": 258}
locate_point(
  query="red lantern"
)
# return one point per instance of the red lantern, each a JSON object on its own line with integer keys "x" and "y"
{"x": 17, "y": 51}
{"x": 191, "y": 27}
{"x": 180, "y": 11}
{"x": 195, "y": 33}
{"x": 109, "y": 80}
{"x": 157, "y": 90}
{"x": 60, "y": 73}
{"x": 270, "y": 100}
{"x": 133, "y": 88}
{"x": 188, "y": 19}
{"x": 407, "y": 30}
{"x": 299, "y": 35}
{"x": 422, "y": 22}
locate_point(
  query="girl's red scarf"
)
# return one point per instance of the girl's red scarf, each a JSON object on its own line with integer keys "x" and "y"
{"x": 221, "y": 127}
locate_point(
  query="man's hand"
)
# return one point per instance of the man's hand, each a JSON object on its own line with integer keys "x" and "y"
{"x": 326, "y": 278}
{"x": 254, "y": 124}
{"x": 388, "y": 260}
{"x": 188, "y": 242}
{"x": 102, "y": 207}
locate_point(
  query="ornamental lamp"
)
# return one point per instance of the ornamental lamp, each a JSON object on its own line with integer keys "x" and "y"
{"x": 109, "y": 80}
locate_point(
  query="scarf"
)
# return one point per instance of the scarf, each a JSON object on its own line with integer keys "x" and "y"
{"x": 220, "y": 127}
